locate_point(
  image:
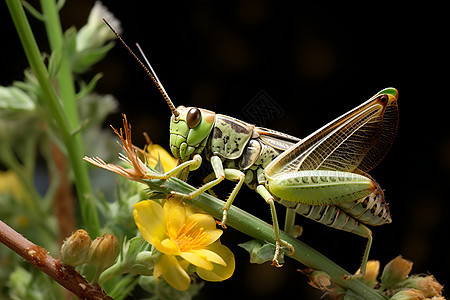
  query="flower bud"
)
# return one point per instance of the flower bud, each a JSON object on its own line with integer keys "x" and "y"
{"x": 317, "y": 279}
{"x": 91, "y": 40}
{"x": 410, "y": 294}
{"x": 95, "y": 33}
{"x": 104, "y": 251}
{"x": 372, "y": 270}
{"x": 75, "y": 248}
{"x": 395, "y": 271}
{"x": 320, "y": 280}
{"x": 428, "y": 285}
{"x": 143, "y": 264}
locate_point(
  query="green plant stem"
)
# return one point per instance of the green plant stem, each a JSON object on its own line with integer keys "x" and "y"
{"x": 262, "y": 231}
{"x": 113, "y": 271}
{"x": 73, "y": 145}
{"x": 64, "y": 76}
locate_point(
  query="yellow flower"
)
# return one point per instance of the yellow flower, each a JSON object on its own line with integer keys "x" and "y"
{"x": 395, "y": 271}
{"x": 428, "y": 285}
{"x": 410, "y": 294}
{"x": 372, "y": 271}
{"x": 10, "y": 184}
{"x": 154, "y": 152}
{"x": 184, "y": 237}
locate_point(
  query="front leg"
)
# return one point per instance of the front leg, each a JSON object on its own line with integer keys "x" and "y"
{"x": 192, "y": 164}
{"x": 231, "y": 174}
{"x": 220, "y": 174}
{"x": 217, "y": 166}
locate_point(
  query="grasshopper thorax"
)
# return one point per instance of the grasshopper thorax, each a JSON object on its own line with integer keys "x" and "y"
{"x": 189, "y": 131}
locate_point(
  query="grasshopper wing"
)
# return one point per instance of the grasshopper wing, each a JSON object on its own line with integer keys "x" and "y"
{"x": 355, "y": 142}
{"x": 278, "y": 140}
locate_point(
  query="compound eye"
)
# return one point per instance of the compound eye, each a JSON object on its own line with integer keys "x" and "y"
{"x": 193, "y": 118}
{"x": 384, "y": 99}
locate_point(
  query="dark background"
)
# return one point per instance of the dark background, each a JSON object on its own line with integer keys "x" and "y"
{"x": 315, "y": 62}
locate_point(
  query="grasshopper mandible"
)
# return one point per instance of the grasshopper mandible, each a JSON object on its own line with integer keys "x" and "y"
{"x": 322, "y": 177}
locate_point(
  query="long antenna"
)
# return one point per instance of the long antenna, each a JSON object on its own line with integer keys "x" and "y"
{"x": 151, "y": 73}
{"x": 151, "y": 68}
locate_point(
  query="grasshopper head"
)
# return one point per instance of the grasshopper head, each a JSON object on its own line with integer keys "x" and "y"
{"x": 189, "y": 126}
{"x": 189, "y": 131}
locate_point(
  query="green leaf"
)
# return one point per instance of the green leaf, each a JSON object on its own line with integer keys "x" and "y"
{"x": 54, "y": 62}
{"x": 33, "y": 11}
{"x": 260, "y": 252}
{"x": 138, "y": 258}
{"x": 14, "y": 99}
{"x": 159, "y": 167}
{"x": 84, "y": 59}
{"x": 136, "y": 245}
{"x": 60, "y": 4}
{"x": 85, "y": 89}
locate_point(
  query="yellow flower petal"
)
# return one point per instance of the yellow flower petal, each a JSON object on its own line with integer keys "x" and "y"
{"x": 173, "y": 273}
{"x": 190, "y": 210}
{"x": 219, "y": 273}
{"x": 203, "y": 220}
{"x": 184, "y": 263}
{"x": 209, "y": 226}
{"x": 210, "y": 256}
{"x": 167, "y": 246}
{"x": 10, "y": 184}
{"x": 197, "y": 260}
{"x": 174, "y": 216}
{"x": 167, "y": 160}
{"x": 148, "y": 216}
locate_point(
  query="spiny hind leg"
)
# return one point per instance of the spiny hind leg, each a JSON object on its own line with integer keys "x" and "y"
{"x": 365, "y": 232}
{"x": 279, "y": 243}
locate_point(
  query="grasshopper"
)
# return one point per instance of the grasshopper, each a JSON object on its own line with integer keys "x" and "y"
{"x": 322, "y": 177}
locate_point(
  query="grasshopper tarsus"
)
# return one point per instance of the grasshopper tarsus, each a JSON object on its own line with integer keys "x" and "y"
{"x": 221, "y": 223}
{"x": 292, "y": 250}
{"x": 352, "y": 277}
{"x": 275, "y": 263}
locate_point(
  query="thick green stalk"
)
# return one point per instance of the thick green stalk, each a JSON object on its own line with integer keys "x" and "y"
{"x": 67, "y": 94}
{"x": 113, "y": 271}
{"x": 51, "y": 99}
{"x": 64, "y": 76}
{"x": 262, "y": 231}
